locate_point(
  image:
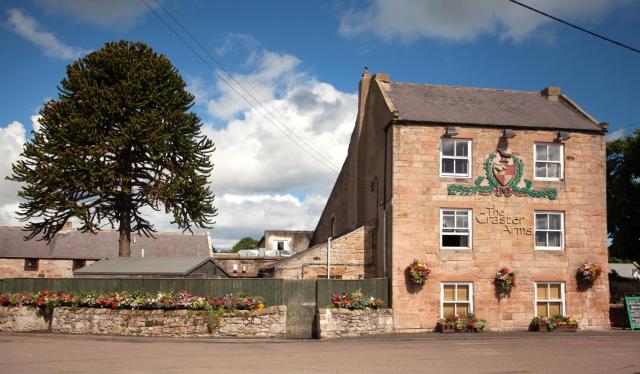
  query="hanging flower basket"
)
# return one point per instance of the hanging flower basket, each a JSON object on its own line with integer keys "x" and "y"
{"x": 587, "y": 273}
{"x": 505, "y": 280}
{"x": 418, "y": 272}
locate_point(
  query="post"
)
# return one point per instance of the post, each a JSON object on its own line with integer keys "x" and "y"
{"x": 329, "y": 258}
{"x": 384, "y": 242}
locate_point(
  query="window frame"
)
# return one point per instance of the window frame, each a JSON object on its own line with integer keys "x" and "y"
{"x": 563, "y": 297}
{"x": 30, "y": 268}
{"x": 284, "y": 245}
{"x": 442, "y": 301}
{"x": 561, "y": 162}
{"x": 469, "y": 220}
{"x": 76, "y": 262}
{"x": 535, "y": 230}
{"x": 468, "y": 158}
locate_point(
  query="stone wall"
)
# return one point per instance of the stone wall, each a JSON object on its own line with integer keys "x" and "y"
{"x": 338, "y": 323}
{"x": 21, "y": 319}
{"x": 419, "y": 193}
{"x": 268, "y": 323}
{"x": 47, "y": 268}
{"x": 351, "y": 258}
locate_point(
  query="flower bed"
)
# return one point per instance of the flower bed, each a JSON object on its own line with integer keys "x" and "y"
{"x": 141, "y": 314}
{"x": 460, "y": 324}
{"x": 555, "y": 323}
{"x": 355, "y": 300}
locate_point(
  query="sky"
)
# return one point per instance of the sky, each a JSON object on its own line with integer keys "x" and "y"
{"x": 299, "y": 63}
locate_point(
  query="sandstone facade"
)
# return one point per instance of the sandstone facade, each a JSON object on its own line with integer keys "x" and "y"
{"x": 339, "y": 323}
{"x": 22, "y": 319}
{"x": 47, "y": 268}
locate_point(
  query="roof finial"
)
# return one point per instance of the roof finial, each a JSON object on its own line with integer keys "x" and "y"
{"x": 365, "y": 73}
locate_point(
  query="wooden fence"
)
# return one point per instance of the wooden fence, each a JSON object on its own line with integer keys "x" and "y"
{"x": 302, "y": 297}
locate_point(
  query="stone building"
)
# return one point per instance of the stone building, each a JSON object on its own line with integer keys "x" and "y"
{"x": 290, "y": 241}
{"x": 71, "y": 250}
{"x": 153, "y": 267}
{"x": 472, "y": 180}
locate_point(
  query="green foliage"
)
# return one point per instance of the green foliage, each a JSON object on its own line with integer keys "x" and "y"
{"x": 623, "y": 196}
{"x": 118, "y": 138}
{"x": 244, "y": 243}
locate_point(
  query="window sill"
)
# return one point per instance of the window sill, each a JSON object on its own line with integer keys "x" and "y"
{"x": 549, "y": 249}
{"x": 454, "y": 249}
{"x": 452, "y": 176}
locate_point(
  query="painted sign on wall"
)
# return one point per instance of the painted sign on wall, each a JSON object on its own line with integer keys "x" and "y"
{"x": 503, "y": 177}
{"x": 512, "y": 224}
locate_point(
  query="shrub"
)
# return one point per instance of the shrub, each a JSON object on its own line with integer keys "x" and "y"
{"x": 355, "y": 300}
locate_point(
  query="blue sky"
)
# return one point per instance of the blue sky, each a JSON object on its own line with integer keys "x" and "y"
{"x": 305, "y": 59}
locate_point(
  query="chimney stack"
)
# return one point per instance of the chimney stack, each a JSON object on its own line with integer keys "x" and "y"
{"x": 551, "y": 93}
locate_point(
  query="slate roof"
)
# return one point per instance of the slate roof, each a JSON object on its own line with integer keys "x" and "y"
{"x": 73, "y": 244}
{"x": 481, "y": 106}
{"x": 625, "y": 270}
{"x": 146, "y": 265}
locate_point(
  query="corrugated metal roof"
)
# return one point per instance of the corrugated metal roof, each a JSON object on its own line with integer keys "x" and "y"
{"x": 145, "y": 265}
{"x": 481, "y": 106}
{"x": 74, "y": 244}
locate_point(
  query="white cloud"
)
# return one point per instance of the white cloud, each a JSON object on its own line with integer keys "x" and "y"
{"x": 464, "y": 20}
{"x": 101, "y": 12}
{"x": 12, "y": 138}
{"x": 35, "y": 122}
{"x": 28, "y": 28}
{"x": 615, "y": 135}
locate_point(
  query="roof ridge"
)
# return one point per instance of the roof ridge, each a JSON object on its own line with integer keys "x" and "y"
{"x": 466, "y": 87}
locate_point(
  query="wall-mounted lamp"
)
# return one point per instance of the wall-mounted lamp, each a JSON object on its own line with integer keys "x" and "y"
{"x": 508, "y": 133}
{"x": 450, "y": 131}
{"x": 563, "y": 135}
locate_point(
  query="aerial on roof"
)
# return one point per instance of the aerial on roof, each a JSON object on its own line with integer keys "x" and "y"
{"x": 491, "y": 107}
{"x": 73, "y": 244}
{"x": 147, "y": 265}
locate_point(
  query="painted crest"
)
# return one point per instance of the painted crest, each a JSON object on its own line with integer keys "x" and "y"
{"x": 503, "y": 177}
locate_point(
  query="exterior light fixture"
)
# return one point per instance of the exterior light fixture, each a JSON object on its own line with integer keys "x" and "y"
{"x": 450, "y": 131}
{"x": 563, "y": 135}
{"x": 508, "y": 133}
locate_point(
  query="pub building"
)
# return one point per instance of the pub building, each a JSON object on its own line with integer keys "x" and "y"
{"x": 469, "y": 181}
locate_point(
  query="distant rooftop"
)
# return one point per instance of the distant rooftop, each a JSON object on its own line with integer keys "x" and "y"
{"x": 174, "y": 266}
{"x": 548, "y": 109}
{"x": 73, "y": 244}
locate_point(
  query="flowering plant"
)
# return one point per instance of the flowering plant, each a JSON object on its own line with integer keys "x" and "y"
{"x": 541, "y": 323}
{"x": 418, "y": 272}
{"x": 505, "y": 279}
{"x": 355, "y": 300}
{"x": 47, "y": 300}
{"x": 461, "y": 324}
{"x": 588, "y": 272}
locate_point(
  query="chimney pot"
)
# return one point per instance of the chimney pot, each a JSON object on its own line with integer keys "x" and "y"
{"x": 551, "y": 93}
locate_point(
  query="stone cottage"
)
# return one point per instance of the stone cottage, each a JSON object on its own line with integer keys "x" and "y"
{"x": 471, "y": 180}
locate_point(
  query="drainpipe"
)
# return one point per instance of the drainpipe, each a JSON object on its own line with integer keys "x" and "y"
{"x": 384, "y": 204}
{"x": 329, "y": 258}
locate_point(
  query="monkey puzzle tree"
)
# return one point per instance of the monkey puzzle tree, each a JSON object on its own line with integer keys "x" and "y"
{"x": 118, "y": 138}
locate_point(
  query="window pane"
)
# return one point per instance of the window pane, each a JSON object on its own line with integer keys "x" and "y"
{"x": 541, "y": 152}
{"x": 555, "y": 309}
{"x": 448, "y": 147}
{"x": 541, "y": 309}
{"x": 461, "y": 241}
{"x": 541, "y": 170}
{"x": 555, "y": 221}
{"x": 463, "y": 309}
{"x": 447, "y": 166}
{"x": 541, "y": 239}
{"x": 542, "y": 291}
{"x": 541, "y": 222}
{"x": 449, "y": 292}
{"x": 448, "y": 310}
{"x": 553, "y": 170}
{"x": 555, "y": 239}
{"x": 462, "y": 166}
{"x": 462, "y": 220}
{"x": 554, "y": 152}
{"x": 554, "y": 292}
{"x": 463, "y": 293}
{"x": 461, "y": 149}
{"x": 448, "y": 220}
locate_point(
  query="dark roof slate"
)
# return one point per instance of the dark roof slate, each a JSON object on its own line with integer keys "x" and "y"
{"x": 74, "y": 244}
{"x": 480, "y": 106}
{"x": 146, "y": 265}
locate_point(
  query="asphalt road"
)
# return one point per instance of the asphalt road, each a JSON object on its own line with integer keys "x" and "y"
{"x": 615, "y": 352}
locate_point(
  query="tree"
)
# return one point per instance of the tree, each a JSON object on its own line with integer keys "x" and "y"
{"x": 623, "y": 196}
{"x": 118, "y": 138}
{"x": 244, "y": 243}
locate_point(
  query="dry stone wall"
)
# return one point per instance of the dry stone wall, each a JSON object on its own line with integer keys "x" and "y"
{"x": 268, "y": 323}
{"x": 337, "y": 323}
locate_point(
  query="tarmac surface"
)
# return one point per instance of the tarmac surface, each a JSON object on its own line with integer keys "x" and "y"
{"x": 506, "y": 353}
